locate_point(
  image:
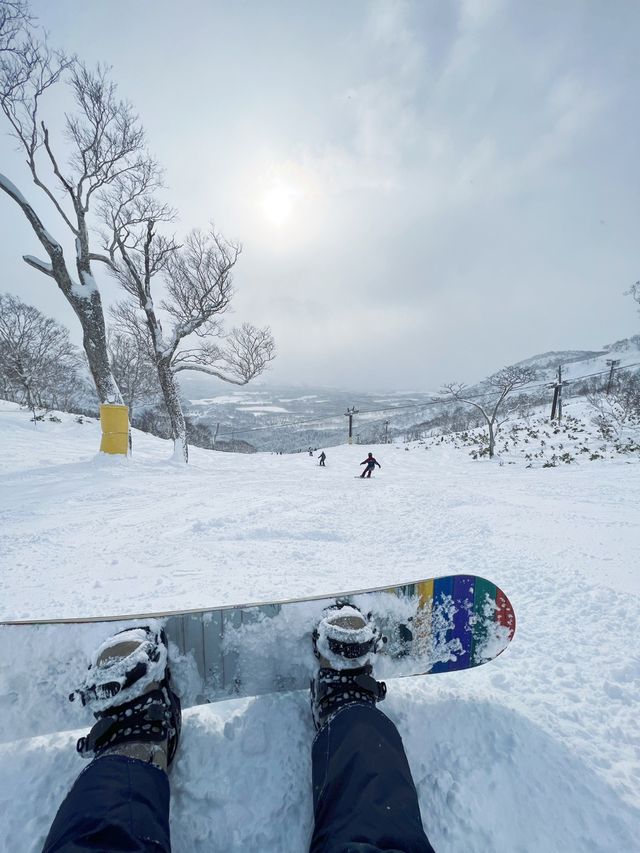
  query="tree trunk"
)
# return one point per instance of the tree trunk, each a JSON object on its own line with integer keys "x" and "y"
{"x": 84, "y": 297}
{"x": 94, "y": 339}
{"x": 88, "y": 306}
{"x": 171, "y": 396}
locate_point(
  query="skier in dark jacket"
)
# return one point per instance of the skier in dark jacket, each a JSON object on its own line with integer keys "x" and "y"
{"x": 363, "y": 798}
{"x": 371, "y": 463}
{"x": 323, "y": 456}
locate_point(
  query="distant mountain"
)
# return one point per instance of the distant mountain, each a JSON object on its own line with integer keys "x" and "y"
{"x": 628, "y": 346}
{"x": 578, "y": 364}
{"x": 290, "y": 418}
{"x": 556, "y": 357}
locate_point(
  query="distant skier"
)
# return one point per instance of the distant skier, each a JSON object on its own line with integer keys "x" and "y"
{"x": 322, "y": 457}
{"x": 371, "y": 463}
{"x": 310, "y": 452}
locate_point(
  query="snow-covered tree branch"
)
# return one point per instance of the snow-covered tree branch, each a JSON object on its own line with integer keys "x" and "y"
{"x": 102, "y": 167}
{"x": 617, "y": 410}
{"x": 197, "y": 280}
{"x": 103, "y": 141}
{"x": 634, "y": 291}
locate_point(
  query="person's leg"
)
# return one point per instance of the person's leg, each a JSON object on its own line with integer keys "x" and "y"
{"x": 120, "y": 802}
{"x": 116, "y": 804}
{"x": 364, "y": 797}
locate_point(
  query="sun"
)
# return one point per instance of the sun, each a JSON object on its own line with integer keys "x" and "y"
{"x": 278, "y": 204}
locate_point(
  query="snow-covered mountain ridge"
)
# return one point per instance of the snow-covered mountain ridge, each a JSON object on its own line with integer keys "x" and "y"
{"x": 294, "y": 418}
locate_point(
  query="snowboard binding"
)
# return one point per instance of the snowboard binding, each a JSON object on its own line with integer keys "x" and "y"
{"x": 344, "y": 642}
{"x": 128, "y": 687}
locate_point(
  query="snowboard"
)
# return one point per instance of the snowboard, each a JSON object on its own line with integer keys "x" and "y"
{"x": 430, "y": 626}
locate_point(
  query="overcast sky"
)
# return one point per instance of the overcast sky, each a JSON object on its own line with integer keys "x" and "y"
{"x": 425, "y": 191}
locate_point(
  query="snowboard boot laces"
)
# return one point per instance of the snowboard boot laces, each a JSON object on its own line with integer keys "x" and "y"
{"x": 344, "y": 642}
{"x": 128, "y": 688}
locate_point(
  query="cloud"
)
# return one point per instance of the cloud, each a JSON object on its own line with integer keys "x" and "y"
{"x": 455, "y": 137}
{"x": 443, "y": 161}
{"x": 391, "y": 34}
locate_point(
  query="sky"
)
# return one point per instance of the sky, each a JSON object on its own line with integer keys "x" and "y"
{"x": 424, "y": 191}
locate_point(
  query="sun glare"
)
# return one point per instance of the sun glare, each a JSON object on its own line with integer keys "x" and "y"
{"x": 278, "y": 204}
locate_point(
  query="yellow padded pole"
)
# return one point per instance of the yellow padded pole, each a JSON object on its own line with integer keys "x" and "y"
{"x": 114, "y": 421}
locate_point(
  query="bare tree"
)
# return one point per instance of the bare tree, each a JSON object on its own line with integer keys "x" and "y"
{"x": 15, "y": 28}
{"x": 496, "y": 390}
{"x": 618, "y": 410}
{"x": 104, "y": 141}
{"x": 37, "y": 359}
{"x": 132, "y": 368}
{"x": 197, "y": 277}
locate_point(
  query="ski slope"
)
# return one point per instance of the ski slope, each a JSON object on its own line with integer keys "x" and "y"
{"x": 536, "y": 752}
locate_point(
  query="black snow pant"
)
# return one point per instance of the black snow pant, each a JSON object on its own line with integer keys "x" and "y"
{"x": 364, "y": 798}
{"x": 363, "y": 795}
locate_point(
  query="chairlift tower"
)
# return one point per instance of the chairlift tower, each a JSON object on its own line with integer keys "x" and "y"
{"x": 613, "y": 363}
{"x": 350, "y": 413}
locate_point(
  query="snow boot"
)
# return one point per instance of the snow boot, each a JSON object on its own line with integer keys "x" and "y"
{"x": 128, "y": 688}
{"x": 344, "y": 642}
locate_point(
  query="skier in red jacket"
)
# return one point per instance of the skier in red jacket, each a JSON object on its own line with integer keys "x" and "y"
{"x": 371, "y": 463}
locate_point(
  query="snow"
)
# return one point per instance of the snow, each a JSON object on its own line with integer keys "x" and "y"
{"x": 50, "y": 238}
{"x": 87, "y": 288}
{"x": 13, "y": 191}
{"x": 573, "y": 371}
{"x": 259, "y": 409}
{"x": 236, "y": 397}
{"x": 146, "y": 651}
{"x": 43, "y": 265}
{"x": 10, "y": 188}
{"x": 330, "y": 628}
{"x": 536, "y": 751}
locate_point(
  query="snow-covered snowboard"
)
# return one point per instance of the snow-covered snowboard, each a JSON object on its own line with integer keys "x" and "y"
{"x": 431, "y": 626}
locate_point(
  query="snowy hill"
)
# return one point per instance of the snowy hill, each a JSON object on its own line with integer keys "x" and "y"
{"x": 577, "y": 364}
{"x": 555, "y": 357}
{"x": 536, "y": 442}
{"x": 293, "y": 418}
{"x": 536, "y": 751}
{"x": 290, "y": 419}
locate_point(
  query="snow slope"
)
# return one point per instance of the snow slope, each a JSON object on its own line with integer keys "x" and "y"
{"x": 537, "y": 751}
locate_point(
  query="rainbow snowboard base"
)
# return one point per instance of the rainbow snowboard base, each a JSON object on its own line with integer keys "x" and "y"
{"x": 431, "y": 626}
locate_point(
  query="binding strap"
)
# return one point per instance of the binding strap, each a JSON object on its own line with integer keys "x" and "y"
{"x": 153, "y": 717}
{"x": 332, "y": 689}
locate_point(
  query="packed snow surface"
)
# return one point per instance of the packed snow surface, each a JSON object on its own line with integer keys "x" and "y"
{"x": 537, "y": 751}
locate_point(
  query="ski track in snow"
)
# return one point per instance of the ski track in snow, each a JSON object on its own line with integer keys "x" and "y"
{"x": 538, "y": 751}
